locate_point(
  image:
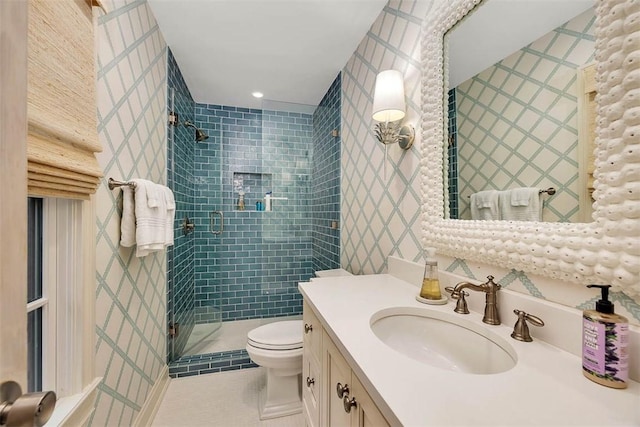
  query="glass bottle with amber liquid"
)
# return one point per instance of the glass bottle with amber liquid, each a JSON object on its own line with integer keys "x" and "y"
{"x": 430, "y": 284}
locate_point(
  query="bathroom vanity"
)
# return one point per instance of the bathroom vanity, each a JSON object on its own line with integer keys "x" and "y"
{"x": 353, "y": 375}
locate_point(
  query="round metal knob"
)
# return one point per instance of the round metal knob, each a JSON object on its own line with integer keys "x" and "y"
{"x": 342, "y": 390}
{"x": 310, "y": 381}
{"x": 348, "y": 404}
{"x": 308, "y": 328}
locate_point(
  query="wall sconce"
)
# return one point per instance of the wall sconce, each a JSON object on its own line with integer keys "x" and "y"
{"x": 389, "y": 110}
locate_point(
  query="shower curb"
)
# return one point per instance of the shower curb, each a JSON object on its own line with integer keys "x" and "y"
{"x": 210, "y": 363}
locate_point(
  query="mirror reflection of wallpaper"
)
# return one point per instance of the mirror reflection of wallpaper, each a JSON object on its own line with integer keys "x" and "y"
{"x": 517, "y": 121}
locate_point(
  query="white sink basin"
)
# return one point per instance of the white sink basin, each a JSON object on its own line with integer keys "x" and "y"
{"x": 443, "y": 340}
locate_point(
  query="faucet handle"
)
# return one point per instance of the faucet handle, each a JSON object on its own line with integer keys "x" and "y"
{"x": 461, "y": 305}
{"x": 520, "y": 329}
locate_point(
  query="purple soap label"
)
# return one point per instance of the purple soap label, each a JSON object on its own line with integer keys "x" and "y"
{"x": 605, "y": 349}
{"x": 593, "y": 346}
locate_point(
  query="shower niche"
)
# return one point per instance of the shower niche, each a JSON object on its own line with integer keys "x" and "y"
{"x": 253, "y": 187}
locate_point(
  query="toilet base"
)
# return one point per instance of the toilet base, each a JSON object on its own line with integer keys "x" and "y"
{"x": 281, "y": 396}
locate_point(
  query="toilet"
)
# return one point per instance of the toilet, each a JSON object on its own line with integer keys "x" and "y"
{"x": 277, "y": 346}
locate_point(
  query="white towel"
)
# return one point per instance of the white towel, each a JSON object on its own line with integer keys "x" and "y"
{"x": 531, "y": 212}
{"x": 171, "y": 214}
{"x": 522, "y": 196}
{"x": 154, "y": 194}
{"x": 148, "y": 213}
{"x": 484, "y": 205}
{"x": 128, "y": 221}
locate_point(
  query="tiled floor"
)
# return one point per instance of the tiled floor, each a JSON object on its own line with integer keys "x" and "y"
{"x": 226, "y": 399}
{"x": 230, "y": 336}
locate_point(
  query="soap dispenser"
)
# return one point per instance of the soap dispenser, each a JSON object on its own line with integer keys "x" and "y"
{"x": 430, "y": 284}
{"x": 605, "y": 343}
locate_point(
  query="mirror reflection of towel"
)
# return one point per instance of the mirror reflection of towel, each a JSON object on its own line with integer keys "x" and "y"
{"x": 517, "y": 208}
{"x": 522, "y": 196}
{"x": 484, "y": 205}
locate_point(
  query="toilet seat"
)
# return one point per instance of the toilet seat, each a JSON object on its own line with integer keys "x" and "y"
{"x": 284, "y": 335}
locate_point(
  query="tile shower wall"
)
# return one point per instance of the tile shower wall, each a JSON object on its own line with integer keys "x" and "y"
{"x": 325, "y": 181}
{"x": 452, "y": 157}
{"x": 523, "y": 115}
{"x": 180, "y": 257}
{"x": 131, "y": 295}
{"x": 251, "y": 270}
{"x": 382, "y": 217}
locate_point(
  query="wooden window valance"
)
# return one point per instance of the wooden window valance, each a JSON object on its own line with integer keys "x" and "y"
{"x": 61, "y": 100}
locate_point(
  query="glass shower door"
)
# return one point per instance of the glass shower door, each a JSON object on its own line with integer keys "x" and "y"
{"x": 189, "y": 321}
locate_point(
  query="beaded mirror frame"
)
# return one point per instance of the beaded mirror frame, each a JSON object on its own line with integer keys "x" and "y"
{"x": 606, "y": 250}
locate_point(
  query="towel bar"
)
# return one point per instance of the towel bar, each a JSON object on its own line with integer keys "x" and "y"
{"x": 550, "y": 191}
{"x": 113, "y": 184}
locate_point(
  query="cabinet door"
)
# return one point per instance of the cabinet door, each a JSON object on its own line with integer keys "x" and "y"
{"x": 366, "y": 411}
{"x": 311, "y": 389}
{"x": 312, "y": 337}
{"x": 336, "y": 373}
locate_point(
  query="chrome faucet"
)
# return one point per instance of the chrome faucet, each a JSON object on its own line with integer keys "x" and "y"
{"x": 490, "y": 288}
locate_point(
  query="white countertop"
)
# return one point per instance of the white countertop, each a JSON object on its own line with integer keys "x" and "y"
{"x": 546, "y": 387}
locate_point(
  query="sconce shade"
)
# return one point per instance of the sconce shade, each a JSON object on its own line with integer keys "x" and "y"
{"x": 388, "y": 97}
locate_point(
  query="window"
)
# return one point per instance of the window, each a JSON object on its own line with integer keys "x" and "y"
{"x": 36, "y": 302}
{"x": 61, "y": 297}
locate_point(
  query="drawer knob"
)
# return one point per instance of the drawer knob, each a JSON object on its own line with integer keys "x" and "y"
{"x": 342, "y": 390}
{"x": 308, "y": 328}
{"x": 310, "y": 381}
{"x": 348, "y": 404}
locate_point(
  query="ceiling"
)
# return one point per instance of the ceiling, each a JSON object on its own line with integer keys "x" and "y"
{"x": 290, "y": 50}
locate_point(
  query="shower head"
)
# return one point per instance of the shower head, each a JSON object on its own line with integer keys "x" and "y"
{"x": 200, "y": 135}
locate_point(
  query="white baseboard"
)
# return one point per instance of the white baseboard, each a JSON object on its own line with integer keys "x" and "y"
{"x": 154, "y": 399}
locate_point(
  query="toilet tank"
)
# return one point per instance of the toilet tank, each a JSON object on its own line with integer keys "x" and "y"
{"x": 333, "y": 273}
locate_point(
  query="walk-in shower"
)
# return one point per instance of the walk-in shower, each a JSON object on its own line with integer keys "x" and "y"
{"x": 226, "y": 279}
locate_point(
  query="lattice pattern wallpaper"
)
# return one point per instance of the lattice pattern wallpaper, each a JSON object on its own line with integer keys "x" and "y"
{"x": 381, "y": 214}
{"x": 131, "y": 301}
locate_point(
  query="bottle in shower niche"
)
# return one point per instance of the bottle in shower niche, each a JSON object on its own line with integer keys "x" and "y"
{"x": 605, "y": 343}
{"x": 241, "y": 200}
{"x": 430, "y": 283}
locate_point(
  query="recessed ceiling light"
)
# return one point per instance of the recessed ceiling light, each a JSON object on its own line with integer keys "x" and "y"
{"x": 257, "y": 94}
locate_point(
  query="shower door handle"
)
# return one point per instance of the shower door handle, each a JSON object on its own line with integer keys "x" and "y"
{"x": 212, "y": 222}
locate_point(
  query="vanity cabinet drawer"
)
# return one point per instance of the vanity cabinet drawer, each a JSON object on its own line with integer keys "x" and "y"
{"x": 312, "y": 334}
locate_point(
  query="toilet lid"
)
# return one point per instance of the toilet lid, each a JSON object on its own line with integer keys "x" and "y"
{"x": 284, "y": 335}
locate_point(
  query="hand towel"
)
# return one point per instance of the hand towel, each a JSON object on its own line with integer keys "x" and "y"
{"x": 522, "y": 196}
{"x": 154, "y": 193}
{"x": 531, "y": 212}
{"x": 128, "y": 221}
{"x": 151, "y": 221}
{"x": 484, "y": 205}
{"x": 171, "y": 214}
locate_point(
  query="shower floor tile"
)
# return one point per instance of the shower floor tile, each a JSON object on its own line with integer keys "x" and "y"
{"x": 222, "y": 399}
